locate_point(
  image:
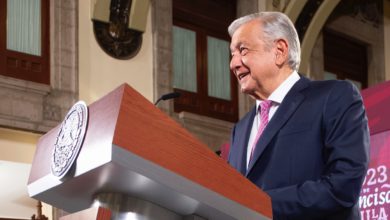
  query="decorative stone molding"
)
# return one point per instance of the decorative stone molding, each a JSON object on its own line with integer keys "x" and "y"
{"x": 21, "y": 104}
{"x": 37, "y": 107}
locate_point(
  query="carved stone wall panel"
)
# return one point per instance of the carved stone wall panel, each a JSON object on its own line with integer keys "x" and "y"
{"x": 21, "y": 104}
{"x": 69, "y": 4}
{"x": 64, "y": 91}
{"x": 164, "y": 65}
{"x": 57, "y": 104}
{"x": 68, "y": 14}
{"x": 165, "y": 39}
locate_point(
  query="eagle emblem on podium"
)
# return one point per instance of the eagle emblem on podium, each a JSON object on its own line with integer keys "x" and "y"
{"x": 69, "y": 139}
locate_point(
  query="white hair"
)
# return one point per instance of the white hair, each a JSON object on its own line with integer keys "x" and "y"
{"x": 276, "y": 25}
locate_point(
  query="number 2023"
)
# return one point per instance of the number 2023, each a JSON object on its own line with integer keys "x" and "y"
{"x": 374, "y": 176}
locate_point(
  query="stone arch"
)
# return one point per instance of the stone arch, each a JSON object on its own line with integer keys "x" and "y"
{"x": 293, "y": 9}
{"x": 314, "y": 29}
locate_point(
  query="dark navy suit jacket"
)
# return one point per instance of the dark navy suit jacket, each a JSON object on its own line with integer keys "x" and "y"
{"x": 312, "y": 157}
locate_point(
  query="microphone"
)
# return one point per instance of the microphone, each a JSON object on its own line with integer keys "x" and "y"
{"x": 167, "y": 96}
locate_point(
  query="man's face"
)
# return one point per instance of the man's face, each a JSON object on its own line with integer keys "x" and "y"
{"x": 252, "y": 62}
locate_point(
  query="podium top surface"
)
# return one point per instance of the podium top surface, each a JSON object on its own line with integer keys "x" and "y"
{"x": 132, "y": 147}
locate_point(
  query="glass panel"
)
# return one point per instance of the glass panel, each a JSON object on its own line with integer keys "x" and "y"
{"x": 184, "y": 59}
{"x": 24, "y": 26}
{"x": 357, "y": 83}
{"x": 329, "y": 76}
{"x": 218, "y": 68}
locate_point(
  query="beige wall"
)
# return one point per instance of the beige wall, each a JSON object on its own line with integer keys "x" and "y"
{"x": 17, "y": 146}
{"x": 17, "y": 151}
{"x": 100, "y": 73}
{"x": 13, "y": 184}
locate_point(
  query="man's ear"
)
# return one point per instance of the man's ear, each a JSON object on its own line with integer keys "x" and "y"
{"x": 281, "y": 51}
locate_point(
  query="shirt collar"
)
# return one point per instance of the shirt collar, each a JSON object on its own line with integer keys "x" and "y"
{"x": 278, "y": 95}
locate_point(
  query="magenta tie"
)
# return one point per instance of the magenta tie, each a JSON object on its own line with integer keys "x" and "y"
{"x": 264, "y": 110}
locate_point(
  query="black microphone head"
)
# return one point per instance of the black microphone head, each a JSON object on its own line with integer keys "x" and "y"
{"x": 171, "y": 95}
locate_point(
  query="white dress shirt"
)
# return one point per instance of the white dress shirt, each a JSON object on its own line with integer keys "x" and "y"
{"x": 276, "y": 97}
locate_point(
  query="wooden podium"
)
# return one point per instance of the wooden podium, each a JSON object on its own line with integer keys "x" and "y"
{"x": 134, "y": 150}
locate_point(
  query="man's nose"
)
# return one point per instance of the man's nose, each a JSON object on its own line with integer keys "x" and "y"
{"x": 235, "y": 63}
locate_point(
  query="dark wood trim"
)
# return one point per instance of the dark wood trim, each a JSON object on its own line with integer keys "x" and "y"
{"x": 213, "y": 16}
{"x": 202, "y": 70}
{"x": 188, "y": 101}
{"x": 208, "y": 106}
{"x": 46, "y": 39}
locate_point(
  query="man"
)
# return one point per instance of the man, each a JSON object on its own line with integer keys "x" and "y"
{"x": 312, "y": 156}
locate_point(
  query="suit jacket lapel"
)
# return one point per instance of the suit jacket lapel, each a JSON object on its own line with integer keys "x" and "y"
{"x": 290, "y": 103}
{"x": 244, "y": 138}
